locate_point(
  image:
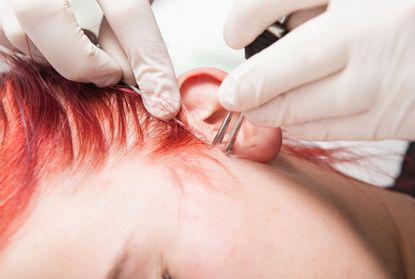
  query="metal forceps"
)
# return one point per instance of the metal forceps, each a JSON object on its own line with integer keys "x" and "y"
{"x": 220, "y": 136}
{"x": 267, "y": 38}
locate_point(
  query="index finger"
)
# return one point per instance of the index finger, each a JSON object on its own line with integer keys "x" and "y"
{"x": 53, "y": 28}
{"x": 136, "y": 29}
{"x": 3, "y": 39}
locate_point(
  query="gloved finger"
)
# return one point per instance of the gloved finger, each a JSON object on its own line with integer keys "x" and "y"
{"x": 54, "y": 30}
{"x": 348, "y": 129}
{"x": 10, "y": 27}
{"x": 310, "y": 52}
{"x": 109, "y": 43}
{"x": 247, "y": 19}
{"x": 15, "y": 37}
{"x": 3, "y": 39}
{"x": 298, "y": 18}
{"x": 136, "y": 29}
{"x": 330, "y": 97}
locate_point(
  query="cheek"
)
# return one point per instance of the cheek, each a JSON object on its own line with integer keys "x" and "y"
{"x": 226, "y": 252}
{"x": 217, "y": 241}
{"x": 257, "y": 143}
{"x": 214, "y": 253}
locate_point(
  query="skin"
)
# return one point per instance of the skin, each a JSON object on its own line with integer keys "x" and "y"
{"x": 288, "y": 219}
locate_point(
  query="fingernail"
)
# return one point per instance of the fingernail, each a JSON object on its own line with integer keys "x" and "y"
{"x": 161, "y": 108}
{"x": 161, "y": 105}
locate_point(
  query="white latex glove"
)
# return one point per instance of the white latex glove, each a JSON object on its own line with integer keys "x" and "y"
{"x": 48, "y": 31}
{"x": 347, "y": 74}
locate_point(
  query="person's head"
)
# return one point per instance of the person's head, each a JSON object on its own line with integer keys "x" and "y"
{"x": 91, "y": 186}
{"x": 90, "y": 180}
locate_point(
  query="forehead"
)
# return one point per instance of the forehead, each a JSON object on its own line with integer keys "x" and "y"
{"x": 254, "y": 230}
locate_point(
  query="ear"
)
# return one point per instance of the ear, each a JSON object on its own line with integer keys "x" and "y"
{"x": 199, "y": 91}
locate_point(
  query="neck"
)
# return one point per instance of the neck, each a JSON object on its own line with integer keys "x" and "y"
{"x": 381, "y": 216}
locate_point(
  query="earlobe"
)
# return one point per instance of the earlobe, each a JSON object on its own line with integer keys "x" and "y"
{"x": 199, "y": 91}
{"x": 257, "y": 143}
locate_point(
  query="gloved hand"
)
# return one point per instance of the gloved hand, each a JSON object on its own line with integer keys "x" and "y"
{"x": 347, "y": 74}
{"x": 134, "y": 48}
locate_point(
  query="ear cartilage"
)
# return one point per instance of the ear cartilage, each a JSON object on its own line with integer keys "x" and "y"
{"x": 231, "y": 138}
{"x": 267, "y": 38}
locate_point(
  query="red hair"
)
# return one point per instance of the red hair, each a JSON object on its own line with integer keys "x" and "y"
{"x": 48, "y": 123}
